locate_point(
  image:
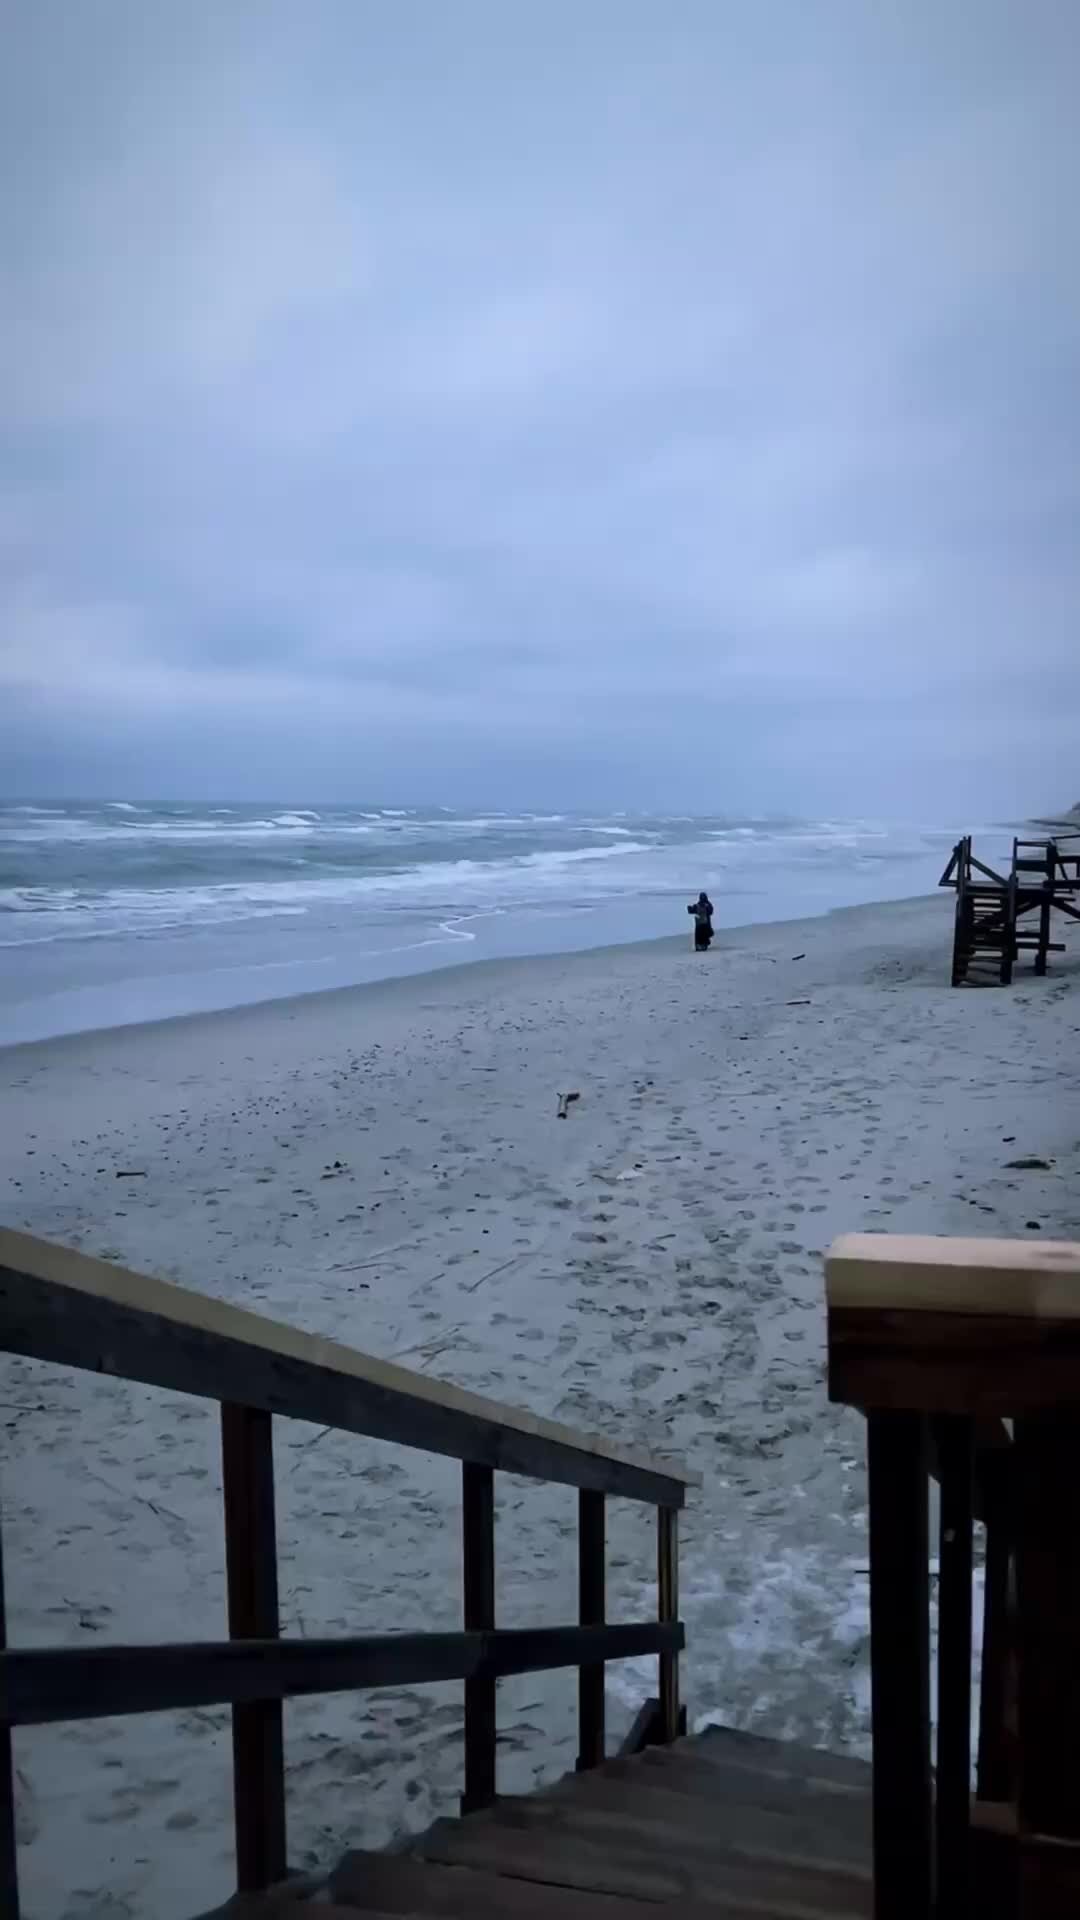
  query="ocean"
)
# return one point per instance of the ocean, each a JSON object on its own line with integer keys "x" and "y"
{"x": 112, "y": 912}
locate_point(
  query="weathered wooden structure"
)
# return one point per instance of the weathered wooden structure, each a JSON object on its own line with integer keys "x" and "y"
{"x": 964, "y": 1357}
{"x": 722, "y": 1826}
{"x": 63, "y": 1307}
{"x": 988, "y": 938}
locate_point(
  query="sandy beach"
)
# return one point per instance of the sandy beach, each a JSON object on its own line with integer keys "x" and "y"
{"x": 385, "y": 1165}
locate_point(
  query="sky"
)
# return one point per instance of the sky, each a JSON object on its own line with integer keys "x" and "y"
{"x": 602, "y": 402}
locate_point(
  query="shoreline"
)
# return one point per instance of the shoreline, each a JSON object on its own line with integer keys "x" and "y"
{"x": 385, "y": 1165}
{"x": 118, "y": 915}
{"x": 489, "y": 967}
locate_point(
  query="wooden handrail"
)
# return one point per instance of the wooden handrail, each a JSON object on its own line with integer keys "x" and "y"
{"x": 936, "y": 1273}
{"x": 60, "y": 1305}
{"x": 40, "y": 1685}
{"x": 986, "y": 1327}
{"x": 67, "y": 1308}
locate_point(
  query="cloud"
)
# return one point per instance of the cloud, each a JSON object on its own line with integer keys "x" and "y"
{"x": 677, "y": 409}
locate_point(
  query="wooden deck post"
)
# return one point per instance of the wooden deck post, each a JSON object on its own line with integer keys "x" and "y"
{"x": 1048, "y": 1612}
{"x": 591, "y": 1613}
{"x": 996, "y": 1762}
{"x": 961, "y": 924}
{"x": 900, "y": 1664}
{"x": 667, "y": 1582}
{"x": 1008, "y": 948}
{"x": 478, "y": 1548}
{"x": 9, "y": 1872}
{"x": 954, "y": 1434}
{"x": 1045, "y": 905}
{"x": 251, "y": 1572}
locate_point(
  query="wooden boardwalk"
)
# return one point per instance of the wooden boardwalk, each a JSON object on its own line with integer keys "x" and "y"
{"x": 723, "y": 1824}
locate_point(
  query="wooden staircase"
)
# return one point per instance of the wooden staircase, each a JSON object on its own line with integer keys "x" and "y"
{"x": 985, "y": 927}
{"x": 964, "y": 1357}
{"x": 990, "y": 929}
{"x": 982, "y": 954}
{"x": 724, "y": 1825}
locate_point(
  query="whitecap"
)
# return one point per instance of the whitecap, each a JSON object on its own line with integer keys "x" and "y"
{"x": 571, "y": 855}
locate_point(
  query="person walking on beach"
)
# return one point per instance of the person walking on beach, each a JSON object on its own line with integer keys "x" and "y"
{"x": 702, "y": 910}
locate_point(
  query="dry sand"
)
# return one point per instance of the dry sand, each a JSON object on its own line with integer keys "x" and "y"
{"x": 386, "y": 1165}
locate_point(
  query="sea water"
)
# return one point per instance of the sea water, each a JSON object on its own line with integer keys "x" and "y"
{"x": 112, "y": 912}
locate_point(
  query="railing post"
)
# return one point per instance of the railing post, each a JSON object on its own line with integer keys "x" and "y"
{"x": 954, "y": 1435}
{"x": 478, "y": 1547}
{"x": 1008, "y": 933}
{"x": 247, "y": 1448}
{"x": 591, "y": 1613}
{"x": 1048, "y": 1618}
{"x": 997, "y": 1741}
{"x": 667, "y": 1583}
{"x": 900, "y": 1664}
{"x": 9, "y": 1870}
{"x": 1045, "y": 904}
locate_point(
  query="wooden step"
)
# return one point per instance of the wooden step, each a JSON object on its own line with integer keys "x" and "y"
{"x": 722, "y": 1827}
{"x": 421, "y": 1887}
{"x": 656, "y": 1867}
{"x": 708, "y": 1829}
{"x": 833, "y": 1826}
{"x": 688, "y": 1772}
{"x": 786, "y": 1758}
{"x": 396, "y": 1883}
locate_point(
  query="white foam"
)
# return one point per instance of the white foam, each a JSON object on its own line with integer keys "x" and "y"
{"x": 351, "y": 870}
{"x": 570, "y": 856}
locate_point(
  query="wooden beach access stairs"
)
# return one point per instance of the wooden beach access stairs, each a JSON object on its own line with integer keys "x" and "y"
{"x": 964, "y": 1357}
{"x": 992, "y": 926}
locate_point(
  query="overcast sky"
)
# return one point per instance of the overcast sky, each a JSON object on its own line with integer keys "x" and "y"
{"x": 624, "y": 402}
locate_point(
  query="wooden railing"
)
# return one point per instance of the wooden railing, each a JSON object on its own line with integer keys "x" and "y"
{"x": 939, "y": 1342}
{"x": 63, "y": 1307}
